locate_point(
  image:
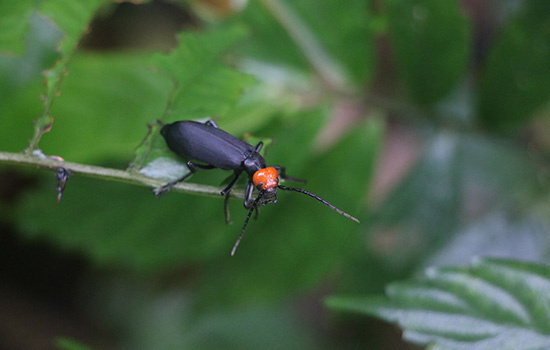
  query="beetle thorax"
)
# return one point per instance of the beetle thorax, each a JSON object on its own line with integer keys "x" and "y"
{"x": 253, "y": 163}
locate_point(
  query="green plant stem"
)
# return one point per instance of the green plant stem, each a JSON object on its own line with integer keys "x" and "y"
{"x": 108, "y": 174}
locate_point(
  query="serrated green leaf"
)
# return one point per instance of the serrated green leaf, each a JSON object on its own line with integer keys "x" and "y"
{"x": 270, "y": 42}
{"x": 203, "y": 85}
{"x": 14, "y": 22}
{"x": 431, "y": 43}
{"x": 73, "y": 18}
{"x": 22, "y": 83}
{"x": 530, "y": 284}
{"x": 492, "y": 304}
{"x": 107, "y": 103}
{"x": 515, "y": 81}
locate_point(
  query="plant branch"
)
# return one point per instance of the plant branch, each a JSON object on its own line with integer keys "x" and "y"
{"x": 136, "y": 178}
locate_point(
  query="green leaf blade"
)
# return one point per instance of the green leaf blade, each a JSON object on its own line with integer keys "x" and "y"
{"x": 431, "y": 40}
{"x": 73, "y": 18}
{"x": 513, "y": 339}
{"x": 203, "y": 85}
{"x": 300, "y": 34}
{"x": 533, "y": 285}
{"x": 111, "y": 119}
{"x": 493, "y": 304}
{"x": 14, "y": 23}
{"x": 428, "y": 297}
{"x": 483, "y": 297}
{"x": 515, "y": 81}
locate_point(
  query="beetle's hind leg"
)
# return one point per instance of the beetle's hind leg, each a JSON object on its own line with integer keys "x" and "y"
{"x": 169, "y": 185}
{"x": 192, "y": 169}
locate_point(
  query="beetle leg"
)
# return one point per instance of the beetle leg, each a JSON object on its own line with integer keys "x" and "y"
{"x": 226, "y": 209}
{"x": 192, "y": 169}
{"x": 259, "y": 146}
{"x": 248, "y": 202}
{"x": 228, "y": 188}
{"x": 225, "y": 192}
{"x": 282, "y": 174}
{"x": 169, "y": 185}
{"x": 212, "y": 123}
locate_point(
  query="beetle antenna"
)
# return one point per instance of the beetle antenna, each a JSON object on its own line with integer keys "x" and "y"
{"x": 254, "y": 205}
{"x": 319, "y": 199}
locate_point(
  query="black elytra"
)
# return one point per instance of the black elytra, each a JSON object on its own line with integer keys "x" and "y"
{"x": 214, "y": 148}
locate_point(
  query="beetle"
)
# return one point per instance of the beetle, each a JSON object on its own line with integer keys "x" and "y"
{"x": 216, "y": 149}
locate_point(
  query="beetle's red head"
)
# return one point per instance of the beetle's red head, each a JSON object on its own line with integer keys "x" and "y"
{"x": 266, "y": 178}
{"x": 266, "y": 181}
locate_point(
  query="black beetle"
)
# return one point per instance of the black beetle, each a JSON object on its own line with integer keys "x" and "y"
{"x": 215, "y": 148}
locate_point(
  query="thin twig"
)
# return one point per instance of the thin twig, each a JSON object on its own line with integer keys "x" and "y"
{"x": 108, "y": 174}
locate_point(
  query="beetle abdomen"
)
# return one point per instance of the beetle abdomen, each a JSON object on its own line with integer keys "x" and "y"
{"x": 207, "y": 144}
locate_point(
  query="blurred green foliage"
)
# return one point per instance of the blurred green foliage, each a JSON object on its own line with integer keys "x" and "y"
{"x": 431, "y": 40}
{"x": 491, "y": 304}
{"x": 515, "y": 83}
{"x": 162, "y": 276}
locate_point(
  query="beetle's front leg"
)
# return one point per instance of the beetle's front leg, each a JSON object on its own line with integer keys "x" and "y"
{"x": 226, "y": 209}
{"x": 248, "y": 202}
